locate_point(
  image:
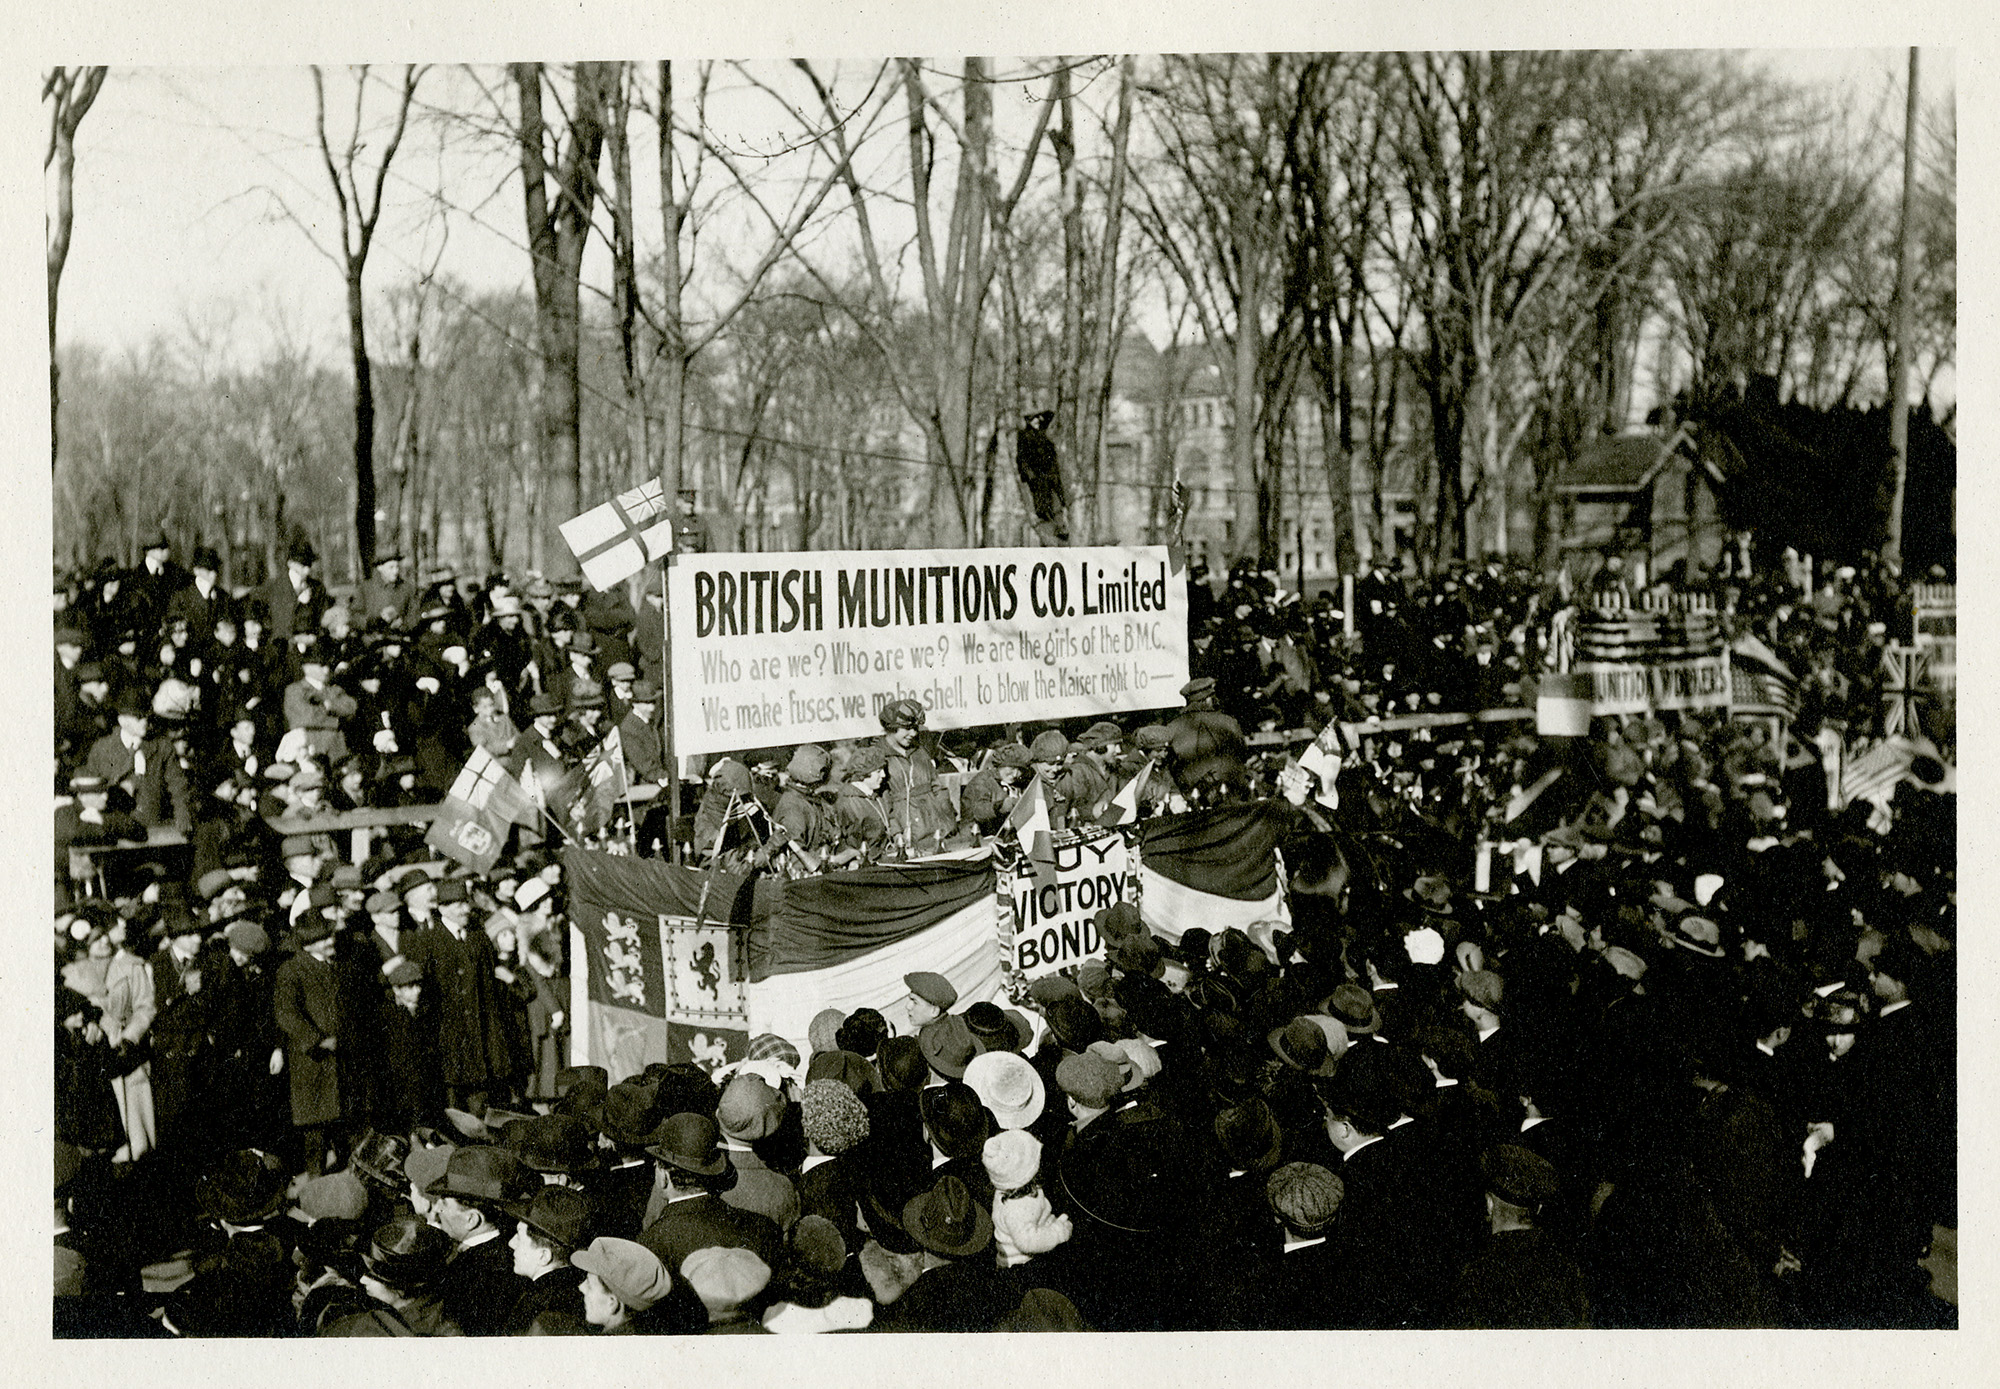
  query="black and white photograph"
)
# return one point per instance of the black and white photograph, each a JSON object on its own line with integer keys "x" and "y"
{"x": 1309, "y": 689}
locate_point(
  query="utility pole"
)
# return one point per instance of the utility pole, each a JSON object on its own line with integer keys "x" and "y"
{"x": 1899, "y": 354}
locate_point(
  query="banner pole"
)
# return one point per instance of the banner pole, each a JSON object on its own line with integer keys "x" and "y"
{"x": 673, "y": 765}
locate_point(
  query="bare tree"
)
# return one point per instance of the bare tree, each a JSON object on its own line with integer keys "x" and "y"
{"x": 559, "y": 186}
{"x": 1213, "y": 203}
{"x": 70, "y": 93}
{"x": 360, "y": 213}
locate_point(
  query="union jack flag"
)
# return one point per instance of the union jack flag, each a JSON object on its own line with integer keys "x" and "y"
{"x": 1906, "y": 668}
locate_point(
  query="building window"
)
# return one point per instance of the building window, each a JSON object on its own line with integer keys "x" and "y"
{"x": 1285, "y": 560}
{"x": 1208, "y": 413}
{"x": 1228, "y": 532}
{"x": 1319, "y": 559}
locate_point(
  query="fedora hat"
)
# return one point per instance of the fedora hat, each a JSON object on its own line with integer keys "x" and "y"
{"x": 1354, "y": 1007}
{"x": 946, "y": 1220}
{"x": 561, "y": 1143}
{"x": 750, "y": 1109}
{"x": 948, "y": 1045}
{"x": 486, "y": 1174}
{"x": 1302, "y": 1045}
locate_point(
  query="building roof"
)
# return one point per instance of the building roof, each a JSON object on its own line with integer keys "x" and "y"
{"x": 1618, "y": 463}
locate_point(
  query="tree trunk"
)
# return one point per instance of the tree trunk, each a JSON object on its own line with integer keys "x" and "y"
{"x": 1247, "y": 347}
{"x": 625, "y": 277}
{"x": 72, "y": 94}
{"x": 364, "y": 427}
{"x": 673, "y": 349}
{"x": 558, "y": 232}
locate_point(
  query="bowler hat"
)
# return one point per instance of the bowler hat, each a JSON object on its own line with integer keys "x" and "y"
{"x": 547, "y": 702}
{"x": 901, "y": 1063}
{"x": 688, "y": 1141}
{"x": 407, "y": 1253}
{"x": 645, "y": 692}
{"x": 999, "y": 1029}
{"x": 569, "y": 1077}
{"x": 1075, "y": 1023}
{"x": 946, "y": 1220}
{"x": 684, "y": 1088}
{"x": 631, "y": 1113}
{"x": 247, "y": 1186}
{"x": 958, "y": 1122}
{"x": 844, "y": 1066}
{"x": 1518, "y": 1176}
{"x": 559, "y": 1212}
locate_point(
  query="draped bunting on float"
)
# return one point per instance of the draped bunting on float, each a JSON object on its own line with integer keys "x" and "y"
{"x": 677, "y": 964}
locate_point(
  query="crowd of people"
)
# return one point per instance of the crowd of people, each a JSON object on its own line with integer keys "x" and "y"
{"x": 1636, "y": 1029}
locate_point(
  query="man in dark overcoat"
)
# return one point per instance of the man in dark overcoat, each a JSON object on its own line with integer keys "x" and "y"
{"x": 458, "y": 961}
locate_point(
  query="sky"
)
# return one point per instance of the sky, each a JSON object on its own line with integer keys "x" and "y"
{"x": 200, "y": 195}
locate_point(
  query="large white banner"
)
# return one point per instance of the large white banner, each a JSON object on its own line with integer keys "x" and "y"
{"x": 792, "y": 648}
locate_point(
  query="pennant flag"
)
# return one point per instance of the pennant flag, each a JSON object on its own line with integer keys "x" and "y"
{"x": 1124, "y": 807}
{"x": 1029, "y": 819}
{"x": 646, "y": 986}
{"x": 1324, "y": 764}
{"x": 845, "y": 940}
{"x": 602, "y": 785}
{"x": 1902, "y": 691}
{"x": 1214, "y": 868}
{"x": 471, "y": 823}
{"x": 616, "y": 540}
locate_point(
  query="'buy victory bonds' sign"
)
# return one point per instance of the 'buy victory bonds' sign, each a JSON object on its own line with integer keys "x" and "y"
{"x": 793, "y": 648}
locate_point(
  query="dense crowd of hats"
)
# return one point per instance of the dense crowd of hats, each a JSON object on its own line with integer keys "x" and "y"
{"x": 1683, "y": 1054}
